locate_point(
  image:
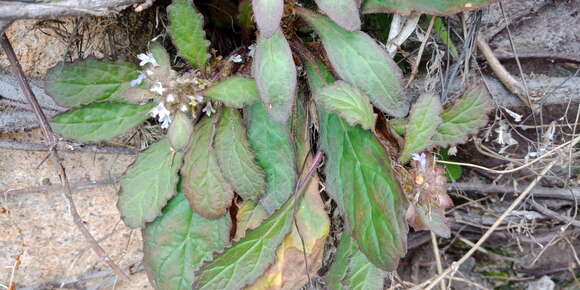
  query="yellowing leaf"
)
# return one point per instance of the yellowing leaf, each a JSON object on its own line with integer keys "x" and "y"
{"x": 209, "y": 193}
{"x": 250, "y": 215}
{"x": 148, "y": 184}
{"x": 247, "y": 259}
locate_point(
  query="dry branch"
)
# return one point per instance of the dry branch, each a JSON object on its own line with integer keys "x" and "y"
{"x": 21, "y": 10}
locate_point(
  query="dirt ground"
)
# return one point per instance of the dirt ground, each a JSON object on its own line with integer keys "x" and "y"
{"x": 40, "y": 248}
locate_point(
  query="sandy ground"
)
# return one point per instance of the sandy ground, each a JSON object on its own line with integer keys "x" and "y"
{"x": 37, "y": 230}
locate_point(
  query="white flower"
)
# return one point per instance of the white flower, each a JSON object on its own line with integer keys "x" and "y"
{"x": 138, "y": 80}
{"x": 162, "y": 114}
{"x": 198, "y": 99}
{"x": 146, "y": 58}
{"x": 252, "y": 50}
{"x": 157, "y": 88}
{"x": 452, "y": 151}
{"x": 170, "y": 98}
{"x": 421, "y": 158}
{"x": 208, "y": 109}
{"x": 236, "y": 58}
{"x": 184, "y": 108}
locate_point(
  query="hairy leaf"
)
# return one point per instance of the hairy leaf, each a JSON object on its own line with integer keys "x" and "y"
{"x": 268, "y": 14}
{"x": 433, "y": 7}
{"x": 148, "y": 184}
{"x": 186, "y": 30}
{"x": 272, "y": 143}
{"x": 422, "y": 125}
{"x": 343, "y": 12}
{"x": 235, "y": 158}
{"x": 180, "y": 131}
{"x": 275, "y": 74}
{"x": 234, "y": 92}
{"x": 464, "y": 117}
{"x": 250, "y": 215}
{"x": 247, "y": 259}
{"x": 360, "y": 179}
{"x": 160, "y": 55}
{"x": 89, "y": 80}
{"x": 178, "y": 242}
{"x": 348, "y": 102}
{"x": 352, "y": 270}
{"x": 288, "y": 271}
{"x": 208, "y": 191}
{"x": 99, "y": 121}
{"x": 359, "y": 60}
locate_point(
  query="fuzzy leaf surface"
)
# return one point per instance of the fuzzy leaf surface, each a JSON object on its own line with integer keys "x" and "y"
{"x": 348, "y": 102}
{"x": 464, "y": 117}
{"x": 246, "y": 260}
{"x": 186, "y": 30}
{"x": 352, "y": 270}
{"x": 180, "y": 131}
{"x": 433, "y": 7}
{"x": 160, "y": 54}
{"x": 235, "y": 157}
{"x": 268, "y": 14}
{"x": 148, "y": 184}
{"x": 359, "y": 178}
{"x": 208, "y": 191}
{"x": 422, "y": 125}
{"x": 234, "y": 92}
{"x": 90, "y": 80}
{"x": 271, "y": 142}
{"x": 178, "y": 242}
{"x": 289, "y": 270}
{"x": 100, "y": 121}
{"x": 360, "y": 61}
{"x": 343, "y": 12}
{"x": 275, "y": 74}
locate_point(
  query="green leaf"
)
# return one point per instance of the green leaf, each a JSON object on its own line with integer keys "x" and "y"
{"x": 433, "y": 7}
{"x": 352, "y": 270}
{"x": 245, "y": 15}
{"x": 234, "y": 92}
{"x": 452, "y": 172}
{"x": 343, "y": 12}
{"x": 359, "y": 178}
{"x": 180, "y": 131}
{"x": 186, "y": 30}
{"x": 360, "y": 61}
{"x": 246, "y": 260}
{"x": 268, "y": 14}
{"x": 422, "y": 125}
{"x": 177, "y": 243}
{"x": 99, "y": 121}
{"x": 272, "y": 143}
{"x": 208, "y": 191}
{"x": 235, "y": 158}
{"x": 443, "y": 33}
{"x": 275, "y": 74}
{"x": 160, "y": 55}
{"x": 399, "y": 125}
{"x": 89, "y": 80}
{"x": 349, "y": 103}
{"x": 465, "y": 117}
{"x": 148, "y": 184}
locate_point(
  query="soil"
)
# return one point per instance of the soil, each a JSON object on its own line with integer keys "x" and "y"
{"x": 40, "y": 248}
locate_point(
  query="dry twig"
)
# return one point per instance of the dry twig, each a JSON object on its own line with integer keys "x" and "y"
{"x": 52, "y": 142}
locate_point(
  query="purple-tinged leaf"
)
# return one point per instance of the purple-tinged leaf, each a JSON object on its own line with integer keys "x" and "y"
{"x": 268, "y": 14}
{"x": 344, "y": 12}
